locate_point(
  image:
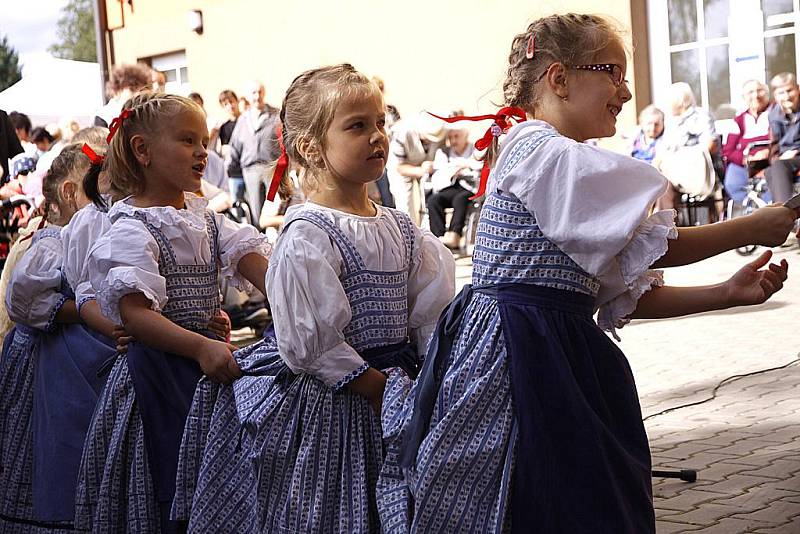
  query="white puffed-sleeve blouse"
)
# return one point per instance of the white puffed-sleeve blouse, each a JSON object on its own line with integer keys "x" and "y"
{"x": 595, "y": 205}
{"x": 125, "y": 259}
{"x": 309, "y": 305}
{"x": 33, "y": 297}
{"x": 83, "y": 231}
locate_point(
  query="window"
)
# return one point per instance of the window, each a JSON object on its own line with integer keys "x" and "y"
{"x": 717, "y": 45}
{"x": 175, "y": 70}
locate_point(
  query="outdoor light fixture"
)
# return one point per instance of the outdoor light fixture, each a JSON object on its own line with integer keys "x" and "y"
{"x": 195, "y": 19}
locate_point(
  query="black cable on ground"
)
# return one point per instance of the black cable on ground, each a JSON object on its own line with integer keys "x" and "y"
{"x": 722, "y": 383}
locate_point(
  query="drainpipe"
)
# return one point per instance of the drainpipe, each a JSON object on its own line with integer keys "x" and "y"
{"x": 100, "y": 33}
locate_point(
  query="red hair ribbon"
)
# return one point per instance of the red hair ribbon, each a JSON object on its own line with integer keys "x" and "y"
{"x": 502, "y": 122}
{"x": 92, "y": 155}
{"x": 280, "y": 167}
{"x": 116, "y": 123}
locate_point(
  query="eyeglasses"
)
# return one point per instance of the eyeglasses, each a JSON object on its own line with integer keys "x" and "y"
{"x": 613, "y": 70}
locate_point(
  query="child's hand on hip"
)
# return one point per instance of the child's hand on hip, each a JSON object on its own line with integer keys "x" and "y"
{"x": 217, "y": 362}
{"x": 753, "y": 285}
{"x": 771, "y": 225}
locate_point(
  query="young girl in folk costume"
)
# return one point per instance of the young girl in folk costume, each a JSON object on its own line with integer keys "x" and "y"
{"x": 525, "y": 416}
{"x": 51, "y": 375}
{"x": 156, "y": 271}
{"x": 355, "y": 288}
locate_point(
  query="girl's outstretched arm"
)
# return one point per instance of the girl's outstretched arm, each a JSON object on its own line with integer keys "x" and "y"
{"x": 750, "y": 285}
{"x": 768, "y": 226}
{"x": 254, "y": 268}
{"x": 214, "y": 357}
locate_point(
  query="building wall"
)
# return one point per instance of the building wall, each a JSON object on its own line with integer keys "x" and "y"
{"x": 434, "y": 55}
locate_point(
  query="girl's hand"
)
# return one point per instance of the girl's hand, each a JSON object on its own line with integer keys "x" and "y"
{"x": 123, "y": 339}
{"x": 771, "y": 225}
{"x": 217, "y": 362}
{"x": 750, "y": 285}
{"x": 220, "y": 324}
{"x": 370, "y": 385}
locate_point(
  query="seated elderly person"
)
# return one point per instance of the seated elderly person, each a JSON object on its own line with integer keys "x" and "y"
{"x": 784, "y": 127}
{"x": 752, "y": 127}
{"x": 414, "y": 143}
{"x": 454, "y": 181}
{"x": 689, "y": 142}
{"x": 650, "y": 134}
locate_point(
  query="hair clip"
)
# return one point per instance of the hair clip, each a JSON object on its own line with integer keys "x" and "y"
{"x": 530, "y": 49}
{"x": 497, "y": 131}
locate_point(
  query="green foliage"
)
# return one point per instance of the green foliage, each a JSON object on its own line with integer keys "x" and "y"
{"x": 75, "y": 32}
{"x": 10, "y": 71}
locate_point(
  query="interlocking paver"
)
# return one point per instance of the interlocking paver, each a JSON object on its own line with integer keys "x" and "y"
{"x": 730, "y": 525}
{"x": 745, "y": 444}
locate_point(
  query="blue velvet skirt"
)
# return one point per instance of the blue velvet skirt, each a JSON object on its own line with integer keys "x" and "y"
{"x": 525, "y": 418}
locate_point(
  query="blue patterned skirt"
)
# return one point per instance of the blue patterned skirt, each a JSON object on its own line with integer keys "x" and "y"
{"x": 533, "y": 424}
{"x": 115, "y": 490}
{"x": 283, "y": 453}
{"x": 17, "y": 372}
{"x": 49, "y": 386}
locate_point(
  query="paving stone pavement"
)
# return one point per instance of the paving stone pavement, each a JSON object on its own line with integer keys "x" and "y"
{"x": 745, "y": 444}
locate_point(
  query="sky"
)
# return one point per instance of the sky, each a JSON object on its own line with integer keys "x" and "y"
{"x": 30, "y": 25}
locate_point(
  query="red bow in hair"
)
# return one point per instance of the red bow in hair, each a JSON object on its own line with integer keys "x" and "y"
{"x": 116, "y": 123}
{"x": 280, "y": 167}
{"x": 502, "y": 122}
{"x": 92, "y": 155}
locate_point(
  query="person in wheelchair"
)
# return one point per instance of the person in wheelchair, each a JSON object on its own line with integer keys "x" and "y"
{"x": 690, "y": 141}
{"x": 748, "y": 145}
{"x": 454, "y": 181}
{"x": 784, "y": 126}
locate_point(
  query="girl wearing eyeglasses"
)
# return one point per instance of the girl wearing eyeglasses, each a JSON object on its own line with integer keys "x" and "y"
{"x": 525, "y": 417}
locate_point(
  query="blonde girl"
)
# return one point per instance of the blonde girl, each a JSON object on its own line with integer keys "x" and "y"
{"x": 155, "y": 271}
{"x": 525, "y": 417}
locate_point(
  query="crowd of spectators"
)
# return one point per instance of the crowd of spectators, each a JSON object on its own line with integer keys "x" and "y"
{"x": 432, "y": 169}
{"x": 684, "y": 144}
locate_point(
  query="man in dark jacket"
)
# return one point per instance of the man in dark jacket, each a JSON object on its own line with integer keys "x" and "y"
{"x": 784, "y": 128}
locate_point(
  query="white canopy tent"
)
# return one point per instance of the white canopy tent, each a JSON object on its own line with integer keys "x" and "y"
{"x": 52, "y": 90}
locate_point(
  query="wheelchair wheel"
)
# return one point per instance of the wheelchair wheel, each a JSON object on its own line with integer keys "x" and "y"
{"x": 749, "y": 207}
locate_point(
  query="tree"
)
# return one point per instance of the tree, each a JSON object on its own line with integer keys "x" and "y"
{"x": 10, "y": 72}
{"x": 75, "y": 32}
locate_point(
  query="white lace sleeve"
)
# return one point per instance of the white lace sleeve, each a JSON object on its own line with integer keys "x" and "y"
{"x": 619, "y": 295}
{"x": 236, "y": 241}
